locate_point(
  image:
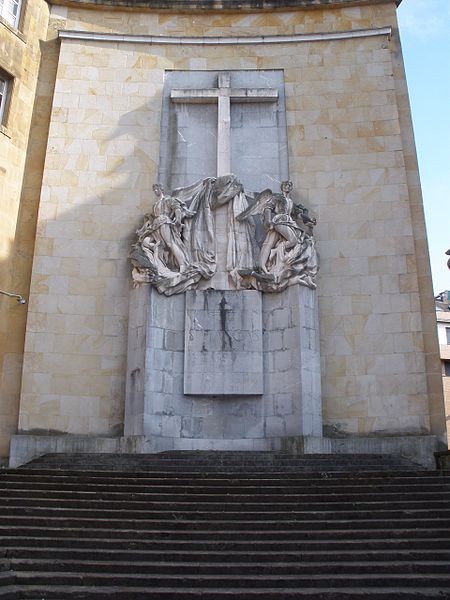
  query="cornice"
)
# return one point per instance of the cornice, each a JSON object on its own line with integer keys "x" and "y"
{"x": 225, "y": 40}
{"x": 195, "y": 6}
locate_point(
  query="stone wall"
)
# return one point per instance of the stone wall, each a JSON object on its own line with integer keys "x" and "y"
{"x": 20, "y": 54}
{"x": 352, "y": 161}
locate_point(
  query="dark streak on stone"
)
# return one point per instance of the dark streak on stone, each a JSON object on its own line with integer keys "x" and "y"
{"x": 223, "y": 324}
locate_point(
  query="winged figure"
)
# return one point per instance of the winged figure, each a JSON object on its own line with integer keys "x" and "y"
{"x": 287, "y": 253}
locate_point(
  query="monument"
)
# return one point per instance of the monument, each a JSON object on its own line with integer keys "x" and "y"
{"x": 199, "y": 160}
{"x": 221, "y": 354}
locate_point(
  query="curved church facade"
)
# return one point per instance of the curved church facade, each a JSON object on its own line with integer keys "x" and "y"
{"x": 274, "y": 292}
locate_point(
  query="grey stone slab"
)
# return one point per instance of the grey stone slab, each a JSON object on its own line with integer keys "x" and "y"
{"x": 258, "y": 134}
{"x": 223, "y": 343}
{"x": 275, "y": 426}
{"x": 155, "y": 381}
{"x": 226, "y": 416}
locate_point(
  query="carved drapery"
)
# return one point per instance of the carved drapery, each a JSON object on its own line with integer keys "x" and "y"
{"x": 176, "y": 245}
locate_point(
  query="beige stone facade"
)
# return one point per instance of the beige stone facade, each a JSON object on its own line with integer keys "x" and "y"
{"x": 21, "y": 49}
{"x": 352, "y": 162}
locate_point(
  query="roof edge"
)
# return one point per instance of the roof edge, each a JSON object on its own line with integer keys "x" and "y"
{"x": 187, "y": 6}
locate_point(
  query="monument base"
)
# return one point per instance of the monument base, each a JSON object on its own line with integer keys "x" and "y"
{"x": 419, "y": 449}
{"x": 236, "y": 367}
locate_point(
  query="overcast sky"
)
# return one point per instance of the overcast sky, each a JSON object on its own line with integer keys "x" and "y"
{"x": 425, "y": 36}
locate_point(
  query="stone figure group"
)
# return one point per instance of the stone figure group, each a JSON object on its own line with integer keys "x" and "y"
{"x": 176, "y": 245}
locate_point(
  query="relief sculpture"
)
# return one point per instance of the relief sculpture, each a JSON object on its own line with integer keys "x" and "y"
{"x": 287, "y": 253}
{"x": 176, "y": 245}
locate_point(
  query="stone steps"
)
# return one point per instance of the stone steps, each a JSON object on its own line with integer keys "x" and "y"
{"x": 219, "y": 462}
{"x": 293, "y": 538}
{"x": 91, "y": 568}
{"x": 241, "y": 582}
{"x": 189, "y": 531}
{"x": 217, "y": 555}
{"x": 181, "y": 523}
{"x": 83, "y": 592}
{"x": 257, "y": 469}
{"x": 214, "y": 456}
{"x": 10, "y": 504}
{"x": 412, "y": 540}
{"x": 230, "y": 477}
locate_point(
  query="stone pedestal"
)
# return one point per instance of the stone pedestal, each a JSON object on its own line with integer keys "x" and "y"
{"x": 168, "y": 397}
{"x": 223, "y": 350}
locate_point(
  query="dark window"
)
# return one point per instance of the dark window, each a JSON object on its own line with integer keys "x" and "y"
{"x": 5, "y": 95}
{"x": 447, "y": 368}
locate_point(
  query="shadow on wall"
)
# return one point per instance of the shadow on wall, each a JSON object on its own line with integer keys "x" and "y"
{"x": 12, "y": 323}
{"x": 98, "y": 185}
{"x": 15, "y": 270}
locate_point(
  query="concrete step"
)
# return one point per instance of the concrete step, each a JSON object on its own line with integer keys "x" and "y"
{"x": 223, "y": 461}
{"x": 213, "y": 555}
{"x": 58, "y": 592}
{"x": 14, "y": 504}
{"x": 256, "y": 525}
{"x": 227, "y": 514}
{"x": 217, "y": 456}
{"x": 243, "y": 470}
{"x": 266, "y": 474}
{"x": 147, "y": 498}
{"x": 342, "y": 531}
{"x": 408, "y": 541}
{"x": 283, "y": 581}
{"x": 298, "y": 481}
{"x": 206, "y": 567}
{"x": 239, "y": 525}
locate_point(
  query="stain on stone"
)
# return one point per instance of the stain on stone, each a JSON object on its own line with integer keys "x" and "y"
{"x": 223, "y": 325}
{"x": 134, "y": 376}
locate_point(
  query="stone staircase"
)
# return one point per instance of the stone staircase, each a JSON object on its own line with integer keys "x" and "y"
{"x": 224, "y": 526}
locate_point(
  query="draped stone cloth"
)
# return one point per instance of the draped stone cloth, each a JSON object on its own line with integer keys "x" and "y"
{"x": 177, "y": 246}
{"x": 197, "y": 203}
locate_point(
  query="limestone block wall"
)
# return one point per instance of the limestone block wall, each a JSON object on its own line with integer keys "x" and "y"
{"x": 20, "y": 56}
{"x": 352, "y": 161}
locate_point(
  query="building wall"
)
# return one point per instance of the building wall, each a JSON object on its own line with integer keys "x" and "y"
{"x": 443, "y": 323}
{"x": 352, "y": 161}
{"x": 20, "y": 57}
{"x": 443, "y": 319}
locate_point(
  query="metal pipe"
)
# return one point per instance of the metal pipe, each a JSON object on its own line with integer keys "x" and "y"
{"x": 18, "y": 297}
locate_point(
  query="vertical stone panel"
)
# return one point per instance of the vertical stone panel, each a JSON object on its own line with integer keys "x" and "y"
{"x": 223, "y": 343}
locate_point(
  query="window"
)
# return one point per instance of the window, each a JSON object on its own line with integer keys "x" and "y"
{"x": 447, "y": 331}
{"x": 10, "y": 11}
{"x": 5, "y": 92}
{"x": 447, "y": 368}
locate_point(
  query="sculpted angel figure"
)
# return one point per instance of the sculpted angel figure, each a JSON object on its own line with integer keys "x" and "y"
{"x": 162, "y": 255}
{"x": 164, "y": 227}
{"x": 287, "y": 254}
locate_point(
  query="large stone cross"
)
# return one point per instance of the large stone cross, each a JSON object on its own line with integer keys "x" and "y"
{"x": 224, "y": 94}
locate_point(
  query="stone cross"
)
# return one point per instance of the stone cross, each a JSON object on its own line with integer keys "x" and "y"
{"x": 224, "y": 94}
